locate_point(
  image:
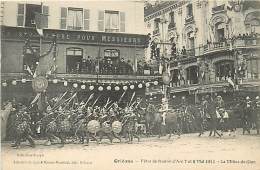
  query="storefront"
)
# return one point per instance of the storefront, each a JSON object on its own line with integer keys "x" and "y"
{"x": 73, "y": 48}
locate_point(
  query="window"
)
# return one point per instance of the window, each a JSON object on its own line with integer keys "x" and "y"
{"x": 112, "y": 55}
{"x": 191, "y": 42}
{"x": 192, "y": 74}
{"x": 171, "y": 17}
{"x": 224, "y": 70}
{"x": 30, "y": 60}
{"x": 253, "y": 68}
{"x": 156, "y": 23}
{"x": 189, "y": 10}
{"x": 26, "y": 15}
{"x": 75, "y": 19}
{"x": 220, "y": 32}
{"x": 74, "y": 58}
{"x": 111, "y": 21}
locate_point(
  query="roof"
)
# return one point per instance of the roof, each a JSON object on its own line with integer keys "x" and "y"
{"x": 155, "y": 8}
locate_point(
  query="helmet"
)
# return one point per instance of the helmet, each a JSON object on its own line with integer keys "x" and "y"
{"x": 257, "y": 97}
{"x": 247, "y": 98}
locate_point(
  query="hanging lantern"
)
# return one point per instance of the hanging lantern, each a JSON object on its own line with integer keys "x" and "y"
{"x": 132, "y": 86}
{"x": 117, "y": 88}
{"x": 55, "y": 81}
{"x": 140, "y": 86}
{"x": 100, "y": 88}
{"x": 91, "y": 87}
{"x": 83, "y": 86}
{"x": 75, "y": 85}
{"x": 23, "y": 80}
{"x": 4, "y": 84}
{"x": 155, "y": 83}
{"x": 147, "y": 84}
{"x": 125, "y": 88}
{"x": 108, "y": 87}
{"x": 14, "y": 82}
{"x": 65, "y": 83}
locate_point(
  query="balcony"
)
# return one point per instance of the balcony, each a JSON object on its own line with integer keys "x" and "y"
{"x": 216, "y": 47}
{"x": 172, "y": 26}
{"x": 247, "y": 42}
{"x": 218, "y": 9}
{"x": 189, "y": 19}
{"x": 156, "y": 32}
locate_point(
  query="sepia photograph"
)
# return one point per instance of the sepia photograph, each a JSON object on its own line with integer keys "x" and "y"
{"x": 130, "y": 84}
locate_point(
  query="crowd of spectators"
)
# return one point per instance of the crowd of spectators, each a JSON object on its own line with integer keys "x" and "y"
{"x": 108, "y": 66}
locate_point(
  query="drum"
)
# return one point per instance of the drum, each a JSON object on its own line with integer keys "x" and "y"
{"x": 106, "y": 127}
{"x": 93, "y": 126}
{"x": 116, "y": 126}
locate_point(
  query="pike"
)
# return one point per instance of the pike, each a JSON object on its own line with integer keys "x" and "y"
{"x": 131, "y": 99}
{"x": 96, "y": 100}
{"x": 110, "y": 106}
{"x": 59, "y": 99}
{"x": 137, "y": 103}
{"x": 121, "y": 97}
{"x": 70, "y": 100}
{"x": 90, "y": 97}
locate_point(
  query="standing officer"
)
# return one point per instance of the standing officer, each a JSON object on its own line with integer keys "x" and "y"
{"x": 247, "y": 116}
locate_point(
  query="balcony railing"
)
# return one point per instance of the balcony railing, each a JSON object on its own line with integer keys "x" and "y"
{"x": 189, "y": 19}
{"x": 247, "y": 42}
{"x": 216, "y": 46}
{"x": 156, "y": 32}
{"x": 171, "y": 26}
{"x": 218, "y": 8}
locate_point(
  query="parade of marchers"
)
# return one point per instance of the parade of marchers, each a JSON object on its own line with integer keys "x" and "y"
{"x": 71, "y": 122}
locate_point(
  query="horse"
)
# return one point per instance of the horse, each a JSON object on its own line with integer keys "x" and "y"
{"x": 198, "y": 118}
{"x": 149, "y": 119}
{"x": 171, "y": 124}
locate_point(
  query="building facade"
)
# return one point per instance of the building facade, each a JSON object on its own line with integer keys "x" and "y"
{"x": 96, "y": 43}
{"x": 209, "y": 44}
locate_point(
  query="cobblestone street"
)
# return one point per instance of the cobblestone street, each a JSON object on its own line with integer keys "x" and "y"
{"x": 238, "y": 152}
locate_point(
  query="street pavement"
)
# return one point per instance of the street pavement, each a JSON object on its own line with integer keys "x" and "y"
{"x": 187, "y": 152}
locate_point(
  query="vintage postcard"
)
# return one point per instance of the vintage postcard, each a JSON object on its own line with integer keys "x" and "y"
{"x": 130, "y": 84}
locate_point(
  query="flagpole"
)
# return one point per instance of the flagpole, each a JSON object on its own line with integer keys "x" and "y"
{"x": 40, "y": 52}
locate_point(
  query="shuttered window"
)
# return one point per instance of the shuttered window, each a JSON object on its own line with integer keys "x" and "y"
{"x": 122, "y": 22}
{"x": 63, "y": 18}
{"x": 86, "y": 19}
{"x": 20, "y": 15}
{"x": 100, "y": 20}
